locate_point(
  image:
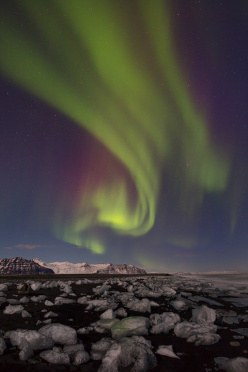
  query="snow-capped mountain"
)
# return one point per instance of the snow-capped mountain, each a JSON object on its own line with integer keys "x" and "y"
{"x": 19, "y": 265}
{"x": 85, "y": 268}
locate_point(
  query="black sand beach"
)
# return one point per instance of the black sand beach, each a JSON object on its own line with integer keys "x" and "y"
{"x": 192, "y": 358}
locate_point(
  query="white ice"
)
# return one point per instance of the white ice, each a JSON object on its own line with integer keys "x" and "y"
{"x": 60, "y": 333}
{"x": 167, "y": 350}
{"x": 13, "y": 309}
{"x": 238, "y": 364}
{"x": 130, "y": 326}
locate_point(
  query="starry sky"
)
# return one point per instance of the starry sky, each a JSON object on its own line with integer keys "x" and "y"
{"x": 124, "y": 132}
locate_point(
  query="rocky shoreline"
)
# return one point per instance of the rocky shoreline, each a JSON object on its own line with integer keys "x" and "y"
{"x": 151, "y": 323}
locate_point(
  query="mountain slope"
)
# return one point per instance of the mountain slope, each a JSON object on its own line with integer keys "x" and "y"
{"x": 19, "y": 265}
{"x": 85, "y": 268}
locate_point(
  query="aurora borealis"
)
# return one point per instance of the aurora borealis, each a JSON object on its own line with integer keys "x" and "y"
{"x": 125, "y": 132}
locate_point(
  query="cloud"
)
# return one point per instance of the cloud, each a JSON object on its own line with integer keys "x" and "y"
{"x": 28, "y": 246}
{"x": 185, "y": 255}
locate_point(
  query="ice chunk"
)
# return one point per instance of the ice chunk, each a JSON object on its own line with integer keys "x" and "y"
{"x": 3, "y": 287}
{"x": 167, "y": 291}
{"x": 238, "y": 364}
{"x": 110, "y": 361}
{"x": 72, "y": 349}
{"x": 166, "y": 350}
{"x": 26, "y": 314}
{"x": 77, "y": 354}
{"x": 163, "y": 323}
{"x": 237, "y": 301}
{"x": 103, "y": 325}
{"x": 23, "y": 288}
{"x": 84, "y": 330}
{"x": 130, "y": 326}
{"x": 142, "y": 306}
{"x": 134, "y": 351}
{"x": 204, "y": 299}
{"x": 61, "y": 300}
{"x": 187, "y": 329}
{"x": 201, "y": 334}
{"x": 35, "y": 286}
{"x": 50, "y": 314}
{"x": 26, "y": 350}
{"x": 48, "y": 303}
{"x": 100, "y": 348}
{"x": 121, "y": 312}
{"x": 24, "y": 300}
{"x": 80, "y": 357}
{"x": 231, "y": 319}
{"x": 66, "y": 288}
{"x": 2, "y": 346}
{"x": 60, "y": 333}
{"x": 36, "y": 340}
{"x": 13, "y": 309}
{"x": 82, "y": 300}
{"x": 47, "y": 321}
{"x": 101, "y": 289}
{"x": 13, "y": 301}
{"x": 179, "y": 305}
{"x": 204, "y": 339}
{"x": 108, "y": 314}
{"x": 203, "y": 315}
{"x": 55, "y": 357}
{"x": 39, "y": 298}
{"x": 241, "y": 331}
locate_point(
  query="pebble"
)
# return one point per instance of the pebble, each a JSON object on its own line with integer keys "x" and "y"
{"x": 235, "y": 343}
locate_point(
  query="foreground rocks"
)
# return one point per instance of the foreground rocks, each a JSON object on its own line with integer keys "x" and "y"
{"x": 156, "y": 323}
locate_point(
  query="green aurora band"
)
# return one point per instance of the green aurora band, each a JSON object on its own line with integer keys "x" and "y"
{"x": 117, "y": 76}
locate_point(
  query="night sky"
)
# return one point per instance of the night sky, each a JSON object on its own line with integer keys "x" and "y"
{"x": 124, "y": 132}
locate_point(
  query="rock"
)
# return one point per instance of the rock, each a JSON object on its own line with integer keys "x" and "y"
{"x": 130, "y": 326}
{"x": 60, "y": 333}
